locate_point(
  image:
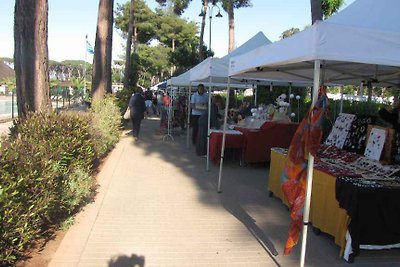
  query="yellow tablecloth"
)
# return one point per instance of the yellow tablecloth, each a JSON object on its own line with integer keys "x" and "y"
{"x": 325, "y": 213}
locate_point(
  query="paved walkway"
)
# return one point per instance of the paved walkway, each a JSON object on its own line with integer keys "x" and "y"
{"x": 157, "y": 206}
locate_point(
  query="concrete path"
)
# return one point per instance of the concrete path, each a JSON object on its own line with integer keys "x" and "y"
{"x": 157, "y": 206}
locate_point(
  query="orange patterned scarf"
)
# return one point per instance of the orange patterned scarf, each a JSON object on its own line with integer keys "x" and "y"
{"x": 294, "y": 177}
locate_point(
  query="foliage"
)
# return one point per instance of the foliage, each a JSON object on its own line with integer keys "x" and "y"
{"x": 289, "y": 32}
{"x": 178, "y": 6}
{"x": 236, "y": 4}
{"x": 172, "y": 29}
{"x": 106, "y": 122}
{"x": 123, "y": 97}
{"x": 68, "y": 69}
{"x": 45, "y": 167}
{"x": 145, "y": 21}
{"x": 10, "y": 83}
{"x": 133, "y": 79}
{"x": 7, "y": 59}
{"x": 354, "y": 107}
{"x": 178, "y": 42}
{"x": 153, "y": 61}
{"x": 330, "y": 7}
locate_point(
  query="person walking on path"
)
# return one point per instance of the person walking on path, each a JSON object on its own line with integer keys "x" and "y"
{"x": 198, "y": 103}
{"x": 137, "y": 109}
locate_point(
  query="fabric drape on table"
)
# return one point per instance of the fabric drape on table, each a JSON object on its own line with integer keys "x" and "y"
{"x": 306, "y": 140}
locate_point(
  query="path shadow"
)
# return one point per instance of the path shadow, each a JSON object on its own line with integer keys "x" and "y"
{"x": 126, "y": 261}
{"x": 232, "y": 206}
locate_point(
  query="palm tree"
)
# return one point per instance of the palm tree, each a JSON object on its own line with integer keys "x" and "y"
{"x": 203, "y": 25}
{"x": 131, "y": 26}
{"x": 229, "y": 6}
{"x": 316, "y": 10}
{"x": 31, "y": 56}
{"x": 101, "y": 79}
{"x": 324, "y": 8}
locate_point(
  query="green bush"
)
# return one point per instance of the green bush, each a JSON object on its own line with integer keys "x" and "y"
{"x": 42, "y": 165}
{"x": 45, "y": 169}
{"x": 123, "y": 97}
{"x": 106, "y": 123}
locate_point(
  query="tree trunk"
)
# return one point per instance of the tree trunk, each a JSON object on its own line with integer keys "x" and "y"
{"x": 31, "y": 61}
{"x": 128, "y": 73}
{"x": 203, "y": 24}
{"x": 101, "y": 79}
{"x": 231, "y": 21}
{"x": 316, "y": 10}
{"x": 135, "y": 40}
{"x": 173, "y": 67}
{"x": 231, "y": 18}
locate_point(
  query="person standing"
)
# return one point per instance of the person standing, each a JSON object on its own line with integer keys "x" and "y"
{"x": 198, "y": 103}
{"x": 201, "y": 142}
{"x": 137, "y": 109}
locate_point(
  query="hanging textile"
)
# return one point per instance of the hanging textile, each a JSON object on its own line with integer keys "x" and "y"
{"x": 306, "y": 140}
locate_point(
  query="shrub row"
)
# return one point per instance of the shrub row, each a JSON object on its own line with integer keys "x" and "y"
{"x": 45, "y": 168}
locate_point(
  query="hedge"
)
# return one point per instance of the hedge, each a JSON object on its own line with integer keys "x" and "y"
{"x": 46, "y": 167}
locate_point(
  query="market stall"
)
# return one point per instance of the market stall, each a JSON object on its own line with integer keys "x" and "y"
{"x": 359, "y": 44}
{"x": 214, "y": 70}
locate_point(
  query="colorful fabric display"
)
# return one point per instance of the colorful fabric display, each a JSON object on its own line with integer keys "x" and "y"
{"x": 305, "y": 141}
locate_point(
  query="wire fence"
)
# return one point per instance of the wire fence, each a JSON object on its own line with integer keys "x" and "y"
{"x": 61, "y": 98}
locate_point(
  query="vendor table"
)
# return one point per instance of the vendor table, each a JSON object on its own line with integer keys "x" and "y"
{"x": 233, "y": 139}
{"x": 258, "y": 142}
{"x": 369, "y": 209}
{"x": 374, "y": 209}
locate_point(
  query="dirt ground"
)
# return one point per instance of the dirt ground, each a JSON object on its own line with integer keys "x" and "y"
{"x": 42, "y": 255}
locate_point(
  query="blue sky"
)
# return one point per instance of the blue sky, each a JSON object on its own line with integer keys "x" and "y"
{"x": 70, "y": 21}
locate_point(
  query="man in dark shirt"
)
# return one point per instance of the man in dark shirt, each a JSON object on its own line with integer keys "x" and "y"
{"x": 137, "y": 108}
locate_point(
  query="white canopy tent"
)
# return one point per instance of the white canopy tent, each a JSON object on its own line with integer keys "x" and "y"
{"x": 214, "y": 70}
{"x": 361, "y": 43}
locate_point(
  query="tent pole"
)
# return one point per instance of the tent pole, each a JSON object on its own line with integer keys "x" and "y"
{"x": 310, "y": 167}
{"x": 221, "y": 162}
{"x": 188, "y": 118}
{"x": 208, "y": 125}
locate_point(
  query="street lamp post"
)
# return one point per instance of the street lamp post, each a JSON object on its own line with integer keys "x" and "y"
{"x": 203, "y": 13}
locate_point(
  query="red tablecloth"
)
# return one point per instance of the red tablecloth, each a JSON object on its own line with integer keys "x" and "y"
{"x": 257, "y": 143}
{"x": 231, "y": 141}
